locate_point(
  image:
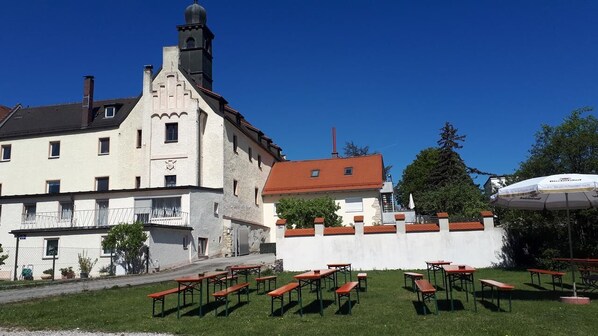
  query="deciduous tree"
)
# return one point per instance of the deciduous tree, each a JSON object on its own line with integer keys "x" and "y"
{"x": 302, "y": 212}
{"x": 127, "y": 241}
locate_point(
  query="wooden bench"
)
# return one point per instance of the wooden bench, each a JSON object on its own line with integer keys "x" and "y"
{"x": 223, "y": 281}
{"x": 362, "y": 277}
{"x": 159, "y": 296}
{"x": 345, "y": 291}
{"x": 590, "y": 281}
{"x": 278, "y": 294}
{"x": 428, "y": 292}
{"x": 223, "y": 294}
{"x": 554, "y": 274}
{"x": 413, "y": 276}
{"x": 263, "y": 281}
{"x": 500, "y": 287}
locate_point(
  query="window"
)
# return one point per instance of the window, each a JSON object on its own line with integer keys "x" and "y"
{"x": 190, "y": 43}
{"x": 275, "y": 210}
{"x": 348, "y": 170}
{"x": 250, "y": 154}
{"x": 6, "y": 149}
{"x": 137, "y": 182}
{"x": 53, "y": 187}
{"x": 66, "y": 211}
{"x": 166, "y": 207}
{"x": 185, "y": 242}
{"x": 109, "y": 112}
{"x": 29, "y": 212}
{"x": 259, "y": 161}
{"x": 172, "y": 132}
{"x": 235, "y": 144}
{"x": 315, "y": 173}
{"x": 138, "y": 144}
{"x": 51, "y": 247}
{"x": 235, "y": 187}
{"x": 216, "y": 208}
{"x": 354, "y": 204}
{"x": 102, "y": 183}
{"x": 170, "y": 181}
{"x": 257, "y": 196}
{"x": 102, "y": 209}
{"x": 105, "y": 252}
{"x": 104, "y": 146}
{"x": 54, "y": 149}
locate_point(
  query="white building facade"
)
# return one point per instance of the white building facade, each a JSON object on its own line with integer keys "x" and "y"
{"x": 177, "y": 158}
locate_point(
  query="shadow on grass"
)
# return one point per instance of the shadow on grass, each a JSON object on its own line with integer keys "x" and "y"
{"x": 344, "y": 308}
{"x": 429, "y": 307}
{"x": 222, "y": 308}
{"x": 314, "y": 306}
{"x": 278, "y": 313}
{"x": 486, "y": 303}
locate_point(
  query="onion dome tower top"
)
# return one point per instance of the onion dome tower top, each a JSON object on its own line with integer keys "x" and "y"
{"x": 195, "y": 14}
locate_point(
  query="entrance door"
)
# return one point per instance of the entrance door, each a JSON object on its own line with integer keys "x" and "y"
{"x": 243, "y": 240}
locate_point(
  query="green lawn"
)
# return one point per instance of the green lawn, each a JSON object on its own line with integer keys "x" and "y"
{"x": 386, "y": 308}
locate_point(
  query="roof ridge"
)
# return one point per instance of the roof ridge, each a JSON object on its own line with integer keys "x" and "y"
{"x": 76, "y": 103}
{"x": 338, "y": 158}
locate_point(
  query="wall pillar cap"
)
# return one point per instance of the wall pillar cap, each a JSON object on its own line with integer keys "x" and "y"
{"x": 486, "y": 214}
{"x": 281, "y": 221}
{"x": 319, "y": 220}
{"x": 442, "y": 215}
{"x": 399, "y": 217}
{"x": 358, "y": 219}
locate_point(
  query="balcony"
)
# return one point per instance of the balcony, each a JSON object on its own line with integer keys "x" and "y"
{"x": 103, "y": 218}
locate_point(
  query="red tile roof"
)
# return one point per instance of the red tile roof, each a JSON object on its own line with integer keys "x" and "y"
{"x": 294, "y": 177}
{"x": 342, "y": 230}
{"x": 472, "y": 226}
{"x": 379, "y": 229}
{"x": 299, "y": 232}
{"x": 422, "y": 228}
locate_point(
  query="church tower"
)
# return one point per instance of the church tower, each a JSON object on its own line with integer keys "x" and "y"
{"x": 195, "y": 45}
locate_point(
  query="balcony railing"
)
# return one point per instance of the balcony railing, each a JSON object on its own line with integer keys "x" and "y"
{"x": 104, "y": 217}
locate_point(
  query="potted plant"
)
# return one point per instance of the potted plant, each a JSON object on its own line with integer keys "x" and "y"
{"x": 85, "y": 264}
{"x": 67, "y": 273}
{"x": 48, "y": 274}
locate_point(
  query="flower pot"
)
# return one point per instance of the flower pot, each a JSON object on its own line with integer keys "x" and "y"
{"x": 46, "y": 276}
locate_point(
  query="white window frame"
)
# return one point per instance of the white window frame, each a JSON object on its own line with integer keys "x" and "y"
{"x": 101, "y": 178}
{"x": 46, "y": 256}
{"x": 50, "y": 149}
{"x": 61, "y": 212}
{"x": 4, "y": 147}
{"x": 109, "y": 108}
{"x": 48, "y": 186}
{"x": 354, "y": 204}
{"x": 29, "y": 217}
{"x": 102, "y": 251}
{"x": 166, "y": 180}
{"x": 100, "y": 140}
{"x": 175, "y": 126}
{"x": 315, "y": 173}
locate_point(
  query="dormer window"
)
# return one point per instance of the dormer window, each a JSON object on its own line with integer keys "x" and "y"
{"x": 109, "y": 111}
{"x": 348, "y": 170}
{"x": 315, "y": 173}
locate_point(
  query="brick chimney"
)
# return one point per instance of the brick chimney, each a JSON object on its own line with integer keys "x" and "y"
{"x": 87, "y": 105}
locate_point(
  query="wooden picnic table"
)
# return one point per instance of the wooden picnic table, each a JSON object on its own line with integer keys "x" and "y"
{"x": 463, "y": 273}
{"x": 195, "y": 282}
{"x": 315, "y": 278}
{"x": 344, "y": 268}
{"x": 246, "y": 270}
{"x": 434, "y": 266}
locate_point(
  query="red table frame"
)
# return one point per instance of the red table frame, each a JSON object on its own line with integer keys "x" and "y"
{"x": 315, "y": 277}
{"x": 196, "y": 283}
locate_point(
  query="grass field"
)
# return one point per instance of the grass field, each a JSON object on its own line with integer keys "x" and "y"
{"x": 387, "y": 308}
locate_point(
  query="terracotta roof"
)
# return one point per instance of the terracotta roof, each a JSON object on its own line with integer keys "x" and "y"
{"x": 300, "y": 232}
{"x": 342, "y": 230}
{"x": 379, "y": 229}
{"x": 472, "y": 226}
{"x": 295, "y": 177}
{"x": 422, "y": 228}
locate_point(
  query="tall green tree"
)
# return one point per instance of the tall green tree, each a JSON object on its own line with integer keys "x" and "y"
{"x": 303, "y": 212}
{"x": 127, "y": 242}
{"x": 536, "y": 236}
{"x": 439, "y": 181}
{"x": 415, "y": 176}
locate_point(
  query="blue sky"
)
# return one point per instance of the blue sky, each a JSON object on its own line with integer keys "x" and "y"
{"x": 385, "y": 73}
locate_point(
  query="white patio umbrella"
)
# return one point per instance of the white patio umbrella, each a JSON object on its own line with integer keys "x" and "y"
{"x": 411, "y": 202}
{"x": 555, "y": 192}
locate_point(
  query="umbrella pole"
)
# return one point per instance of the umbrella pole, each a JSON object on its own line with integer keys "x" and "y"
{"x": 570, "y": 244}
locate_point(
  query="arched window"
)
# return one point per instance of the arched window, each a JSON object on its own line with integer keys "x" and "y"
{"x": 190, "y": 43}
